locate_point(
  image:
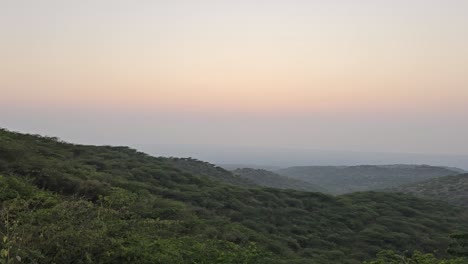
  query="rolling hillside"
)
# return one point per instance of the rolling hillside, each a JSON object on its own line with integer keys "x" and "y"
{"x": 213, "y": 172}
{"x": 69, "y": 203}
{"x": 452, "y": 189}
{"x": 347, "y": 179}
{"x": 270, "y": 179}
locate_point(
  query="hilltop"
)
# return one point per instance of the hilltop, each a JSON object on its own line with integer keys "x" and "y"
{"x": 273, "y": 180}
{"x": 452, "y": 189}
{"x": 347, "y": 179}
{"x": 211, "y": 171}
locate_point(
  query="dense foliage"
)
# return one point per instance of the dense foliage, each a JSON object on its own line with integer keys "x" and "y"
{"x": 391, "y": 257}
{"x": 120, "y": 227}
{"x": 347, "y": 179}
{"x": 213, "y": 172}
{"x": 66, "y": 203}
{"x": 452, "y": 189}
{"x": 270, "y": 179}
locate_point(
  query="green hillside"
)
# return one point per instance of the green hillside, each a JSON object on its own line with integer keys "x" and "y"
{"x": 213, "y": 172}
{"x": 347, "y": 179}
{"x": 452, "y": 189}
{"x": 270, "y": 179}
{"x": 67, "y": 203}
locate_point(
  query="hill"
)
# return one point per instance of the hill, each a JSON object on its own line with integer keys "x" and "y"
{"x": 347, "y": 179}
{"x": 68, "y": 203}
{"x": 213, "y": 172}
{"x": 232, "y": 167}
{"x": 458, "y": 170}
{"x": 452, "y": 189}
{"x": 270, "y": 179}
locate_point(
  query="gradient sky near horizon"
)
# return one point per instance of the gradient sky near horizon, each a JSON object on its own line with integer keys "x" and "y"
{"x": 364, "y": 75}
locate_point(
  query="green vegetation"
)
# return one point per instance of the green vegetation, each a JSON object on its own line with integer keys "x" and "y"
{"x": 347, "y": 179}
{"x": 270, "y": 179}
{"x": 66, "y": 203}
{"x": 205, "y": 169}
{"x": 452, "y": 189}
{"x": 120, "y": 227}
{"x": 231, "y": 167}
{"x": 390, "y": 257}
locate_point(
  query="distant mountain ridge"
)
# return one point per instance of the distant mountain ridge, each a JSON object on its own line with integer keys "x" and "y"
{"x": 346, "y": 179}
{"x": 452, "y": 189}
{"x": 232, "y": 167}
{"x": 459, "y": 170}
{"x": 273, "y": 180}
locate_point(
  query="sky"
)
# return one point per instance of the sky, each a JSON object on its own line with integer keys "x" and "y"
{"x": 365, "y": 75}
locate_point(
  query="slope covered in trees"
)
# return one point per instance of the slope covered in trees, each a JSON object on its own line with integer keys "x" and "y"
{"x": 273, "y": 180}
{"x": 347, "y": 179}
{"x": 452, "y": 189}
{"x": 67, "y": 203}
{"x": 213, "y": 172}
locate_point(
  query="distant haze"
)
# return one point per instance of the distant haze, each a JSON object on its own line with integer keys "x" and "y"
{"x": 272, "y": 159}
{"x": 262, "y": 82}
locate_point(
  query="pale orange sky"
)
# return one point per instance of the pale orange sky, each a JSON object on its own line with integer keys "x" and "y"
{"x": 251, "y": 54}
{"x": 242, "y": 58}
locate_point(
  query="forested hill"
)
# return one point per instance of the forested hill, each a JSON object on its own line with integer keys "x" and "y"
{"x": 68, "y": 203}
{"x": 271, "y": 179}
{"x": 347, "y": 179}
{"x": 452, "y": 189}
{"x": 211, "y": 171}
